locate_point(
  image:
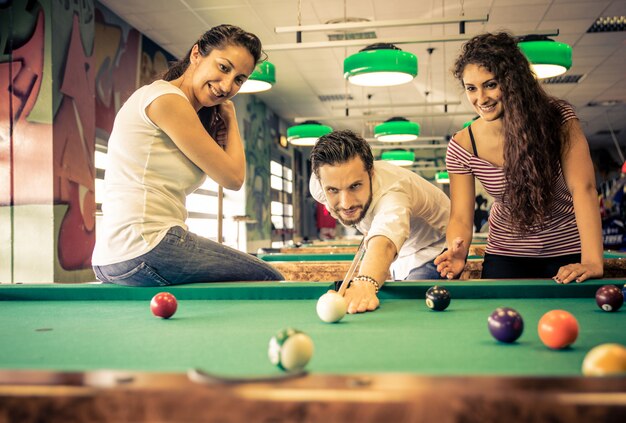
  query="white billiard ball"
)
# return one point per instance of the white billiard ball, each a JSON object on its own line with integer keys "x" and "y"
{"x": 290, "y": 349}
{"x": 331, "y": 307}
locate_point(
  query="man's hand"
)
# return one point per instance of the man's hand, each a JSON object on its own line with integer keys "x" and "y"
{"x": 361, "y": 297}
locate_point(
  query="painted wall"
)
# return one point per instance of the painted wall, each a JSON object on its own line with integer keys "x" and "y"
{"x": 65, "y": 70}
{"x": 48, "y": 126}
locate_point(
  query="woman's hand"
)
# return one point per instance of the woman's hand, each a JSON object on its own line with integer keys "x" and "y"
{"x": 578, "y": 272}
{"x": 450, "y": 263}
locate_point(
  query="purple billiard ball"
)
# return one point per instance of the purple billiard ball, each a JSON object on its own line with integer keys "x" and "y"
{"x": 609, "y": 298}
{"x": 505, "y": 324}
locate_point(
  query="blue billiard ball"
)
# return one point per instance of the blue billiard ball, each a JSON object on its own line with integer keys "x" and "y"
{"x": 505, "y": 324}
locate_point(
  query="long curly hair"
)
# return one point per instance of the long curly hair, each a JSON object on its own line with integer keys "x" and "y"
{"x": 533, "y": 134}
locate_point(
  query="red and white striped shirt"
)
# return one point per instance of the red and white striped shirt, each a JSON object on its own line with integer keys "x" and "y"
{"x": 558, "y": 237}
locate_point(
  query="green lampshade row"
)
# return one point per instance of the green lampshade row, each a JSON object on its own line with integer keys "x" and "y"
{"x": 377, "y": 68}
{"x": 399, "y": 157}
{"x": 547, "y": 58}
{"x": 397, "y": 131}
{"x": 262, "y": 79}
{"x": 307, "y": 134}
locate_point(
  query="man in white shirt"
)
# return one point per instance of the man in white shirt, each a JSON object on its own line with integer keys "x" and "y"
{"x": 403, "y": 217}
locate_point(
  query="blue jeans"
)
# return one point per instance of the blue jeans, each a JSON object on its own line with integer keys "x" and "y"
{"x": 183, "y": 257}
{"x": 426, "y": 271}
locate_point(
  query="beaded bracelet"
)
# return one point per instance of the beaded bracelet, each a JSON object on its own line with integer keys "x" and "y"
{"x": 368, "y": 279}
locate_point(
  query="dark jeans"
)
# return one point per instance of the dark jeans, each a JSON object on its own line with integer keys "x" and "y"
{"x": 184, "y": 257}
{"x": 506, "y": 267}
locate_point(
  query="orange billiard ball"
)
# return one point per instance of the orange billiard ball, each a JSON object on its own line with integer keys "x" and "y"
{"x": 163, "y": 305}
{"x": 605, "y": 359}
{"x": 558, "y": 329}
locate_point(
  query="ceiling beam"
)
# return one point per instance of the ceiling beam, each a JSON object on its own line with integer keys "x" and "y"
{"x": 381, "y": 116}
{"x": 390, "y": 105}
{"x": 401, "y": 40}
{"x": 347, "y": 26}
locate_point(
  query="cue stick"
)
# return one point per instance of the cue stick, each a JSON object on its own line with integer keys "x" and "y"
{"x": 355, "y": 262}
{"x": 220, "y": 205}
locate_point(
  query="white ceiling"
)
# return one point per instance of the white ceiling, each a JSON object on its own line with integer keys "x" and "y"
{"x": 304, "y": 75}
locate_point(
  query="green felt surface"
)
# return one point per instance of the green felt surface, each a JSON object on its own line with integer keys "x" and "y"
{"x": 225, "y": 328}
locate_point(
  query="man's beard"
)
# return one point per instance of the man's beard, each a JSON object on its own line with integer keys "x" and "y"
{"x": 359, "y": 217}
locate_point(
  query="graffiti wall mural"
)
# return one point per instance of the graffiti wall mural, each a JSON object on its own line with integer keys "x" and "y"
{"x": 256, "y": 135}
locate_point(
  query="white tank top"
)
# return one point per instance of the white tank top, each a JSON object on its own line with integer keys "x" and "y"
{"x": 146, "y": 181}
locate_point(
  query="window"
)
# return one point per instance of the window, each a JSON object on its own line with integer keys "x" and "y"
{"x": 202, "y": 204}
{"x": 281, "y": 206}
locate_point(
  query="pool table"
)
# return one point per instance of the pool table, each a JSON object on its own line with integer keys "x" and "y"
{"x": 330, "y": 267}
{"x": 95, "y": 353}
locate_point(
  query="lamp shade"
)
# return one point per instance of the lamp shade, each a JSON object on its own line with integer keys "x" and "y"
{"x": 262, "y": 79}
{"x": 547, "y": 57}
{"x": 397, "y": 130}
{"x": 307, "y": 133}
{"x": 399, "y": 157}
{"x": 442, "y": 177}
{"x": 380, "y": 65}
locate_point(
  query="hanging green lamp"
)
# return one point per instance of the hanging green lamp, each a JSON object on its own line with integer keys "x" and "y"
{"x": 397, "y": 129}
{"x": 307, "y": 133}
{"x": 547, "y": 57}
{"x": 399, "y": 157}
{"x": 262, "y": 79}
{"x": 380, "y": 65}
{"x": 442, "y": 177}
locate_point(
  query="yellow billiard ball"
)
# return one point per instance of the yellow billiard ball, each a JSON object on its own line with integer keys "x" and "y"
{"x": 605, "y": 359}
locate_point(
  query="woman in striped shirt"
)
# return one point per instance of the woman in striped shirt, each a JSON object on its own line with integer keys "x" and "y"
{"x": 529, "y": 152}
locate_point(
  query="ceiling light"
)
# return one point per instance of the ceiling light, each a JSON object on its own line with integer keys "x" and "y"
{"x": 442, "y": 177}
{"x": 262, "y": 79}
{"x": 397, "y": 129}
{"x": 547, "y": 57}
{"x": 380, "y": 65}
{"x": 399, "y": 157}
{"x": 307, "y": 133}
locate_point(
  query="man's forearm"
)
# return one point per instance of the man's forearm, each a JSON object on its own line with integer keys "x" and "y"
{"x": 378, "y": 258}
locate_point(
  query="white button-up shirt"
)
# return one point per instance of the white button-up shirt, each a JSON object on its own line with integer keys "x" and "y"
{"x": 407, "y": 209}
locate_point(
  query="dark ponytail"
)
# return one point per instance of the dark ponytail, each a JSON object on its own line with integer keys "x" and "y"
{"x": 218, "y": 37}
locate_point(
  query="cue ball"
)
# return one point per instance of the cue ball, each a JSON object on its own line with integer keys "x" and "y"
{"x": 290, "y": 349}
{"x": 505, "y": 324}
{"x": 605, "y": 359}
{"x": 437, "y": 298}
{"x": 163, "y": 305}
{"x": 331, "y": 307}
{"x": 609, "y": 298}
{"x": 558, "y": 329}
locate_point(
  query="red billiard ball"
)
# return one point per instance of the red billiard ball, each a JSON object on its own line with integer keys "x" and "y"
{"x": 163, "y": 305}
{"x": 609, "y": 298}
{"x": 558, "y": 329}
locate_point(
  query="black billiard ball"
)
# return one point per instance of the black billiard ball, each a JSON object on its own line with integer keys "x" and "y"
{"x": 609, "y": 298}
{"x": 505, "y": 324}
{"x": 437, "y": 298}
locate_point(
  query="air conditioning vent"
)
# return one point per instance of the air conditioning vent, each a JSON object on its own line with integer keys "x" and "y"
{"x": 335, "y": 97}
{"x": 608, "y": 24}
{"x": 563, "y": 79}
